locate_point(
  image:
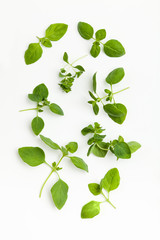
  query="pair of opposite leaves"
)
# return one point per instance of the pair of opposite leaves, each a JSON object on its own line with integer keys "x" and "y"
{"x": 112, "y": 48}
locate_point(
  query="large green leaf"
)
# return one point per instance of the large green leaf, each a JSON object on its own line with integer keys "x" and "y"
{"x": 33, "y": 156}
{"x": 39, "y": 94}
{"x": 59, "y": 193}
{"x": 114, "y": 48}
{"x": 56, "y": 31}
{"x": 115, "y": 76}
{"x": 90, "y": 210}
{"x": 134, "y": 146}
{"x": 111, "y": 180}
{"x": 85, "y": 30}
{"x": 50, "y": 143}
{"x": 79, "y": 163}
{"x": 37, "y": 125}
{"x": 117, "y": 112}
{"x": 122, "y": 150}
{"x": 33, "y": 53}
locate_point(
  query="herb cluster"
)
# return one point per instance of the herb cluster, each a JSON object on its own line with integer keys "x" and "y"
{"x": 35, "y": 156}
{"x": 40, "y": 95}
{"x": 100, "y": 148}
{"x": 112, "y": 48}
{"x": 68, "y": 76}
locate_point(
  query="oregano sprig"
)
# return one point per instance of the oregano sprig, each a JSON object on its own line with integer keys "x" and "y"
{"x": 53, "y": 33}
{"x": 109, "y": 183}
{"x": 69, "y": 73}
{"x": 112, "y": 48}
{"x": 40, "y": 96}
{"x": 100, "y": 148}
{"x": 116, "y": 111}
{"x": 35, "y": 156}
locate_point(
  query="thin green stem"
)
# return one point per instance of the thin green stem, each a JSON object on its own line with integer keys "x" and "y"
{"x": 79, "y": 59}
{"x": 28, "y": 109}
{"x": 121, "y": 90}
{"x": 45, "y": 182}
{"x": 59, "y": 161}
{"x": 112, "y": 94}
{"x": 49, "y": 165}
{"x": 107, "y": 200}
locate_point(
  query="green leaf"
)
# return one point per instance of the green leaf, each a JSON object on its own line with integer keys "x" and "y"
{"x": 46, "y": 42}
{"x": 87, "y": 130}
{"x": 104, "y": 146}
{"x": 85, "y": 30}
{"x": 117, "y": 112}
{"x": 134, "y": 146}
{"x": 100, "y": 34}
{"x": 95, "y": 108}
{"x": 80, "y": 68}
{"x": 33, "y": 156}
{"x": 64, "y": 151}
{"x": 111, "y": 180}
{"x": 120, "y": 139}
{"x": 97, "y": 151}
{"x": 95, "y": 50}
{"x": 49, "y": 142}
{"x": 56, "y": 31}
{"x": 94, "y": 188}
{"x": 79, "y": 163}
{"x": 94, "y": 83}
{"x": 33, "y": 53}
{"x": 72, "y": 147}
{"x": 115, "y": 76}
{"x": 40, "y": 93}
{"x": 90, "y": 150}
{"x": 56, "y": 109}
{"x": 92, "y": 95}
{"x": 37, "y": 125}
{"x": 90, "y": 210}
{"x": 122, "y": 150}
{"x": 59, "y": 193}
{"x": 65, "y": 57}
{"x": 114, "y": 48}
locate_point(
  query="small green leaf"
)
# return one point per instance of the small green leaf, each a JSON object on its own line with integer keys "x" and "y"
{"x": 80, "y": 68}
{"x": 134, "y": 146}
{"x": 56, "y": 109}
{"x": 117, "y": 112}
{"x": 79, "y": 163}
{"x": 94, "y": 188}
{"x": 65, "y": 57}
{"x": 72, "y": 147}
{"x": 90, "y": 150}
{"x": 122, "y": 150}
{"x": 49, "y": 142}
{"x": 56, "y": 31}
{"x": 59, "y": 193}
{"x": 85, "y": 30}
{"x": 37, "y": 125}
{"x": 107, "y": 91}
{"x": 90, "y": 210}
{"x": 94, "y": 83}
{"x": 111, "y": 180}
{"x": 33, "y": 156}
{"x": 115, "y": 76}
{"x": 100, "y": 34}
{"x": 92, "y": 95}
{"x": 39, "y": 94}
{"x": 87, "y": 130}
{"x": 97, "y": 151}
{"x": 95, "y": 108}
{"x": 114, "y": 48}
{"x": 95, "y": 50}
{"x": 120, "y": 139}
{"x": 33, "y": 53}
{"x": 46, "y": 42}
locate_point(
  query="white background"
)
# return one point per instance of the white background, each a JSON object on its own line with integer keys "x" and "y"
{"x": 22, "y": 214}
